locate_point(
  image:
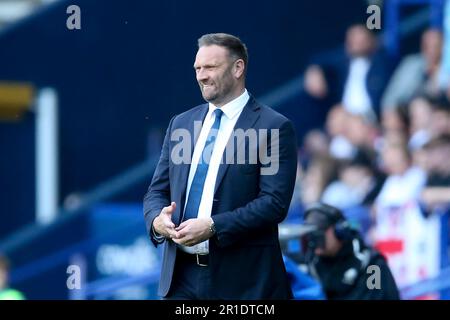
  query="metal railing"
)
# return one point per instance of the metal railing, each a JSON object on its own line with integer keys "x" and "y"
{"x": 104, "y": 191}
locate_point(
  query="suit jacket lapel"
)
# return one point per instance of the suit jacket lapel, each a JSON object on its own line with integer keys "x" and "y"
{"x": 246, "y": 120}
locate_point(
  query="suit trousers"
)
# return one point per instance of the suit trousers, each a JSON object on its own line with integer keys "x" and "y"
{"x": 190, "y": 281}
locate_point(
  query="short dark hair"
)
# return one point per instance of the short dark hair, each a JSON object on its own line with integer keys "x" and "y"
{"x": 440, "y": 141}
{"x": 235, "y": 46}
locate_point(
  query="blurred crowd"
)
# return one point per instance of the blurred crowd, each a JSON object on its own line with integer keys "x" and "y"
{"x": 383, "y": 155}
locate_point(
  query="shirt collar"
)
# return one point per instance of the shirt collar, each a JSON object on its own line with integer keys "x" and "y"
{"x": 232, "y": 108}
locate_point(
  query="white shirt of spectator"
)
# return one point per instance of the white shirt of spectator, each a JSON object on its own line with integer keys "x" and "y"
{"x": 419, "y": 139}
{"x": 232, "y": 110}
{"x": 341, "y": 148}
{"x": 343, "y": 196}
{"x": 397, "y": 190}
{"x": 356, "y": 98}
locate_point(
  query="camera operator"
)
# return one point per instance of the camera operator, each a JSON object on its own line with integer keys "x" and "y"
{"x": 338, "y": 257}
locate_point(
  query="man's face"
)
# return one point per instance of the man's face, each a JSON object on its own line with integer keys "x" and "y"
{"x": 336, "y": 121}
{"x": 216, "y": 74}
{"x": 331, "y": 245}
{"x": 437, "y": 159}
{"x": 440, "y": 122}
{"x": 359, "y": 41}
{"x": 420, "y": 114}
{"x": 322, "y": 241}
{"x": 395, "y": 160}
{"x": 432, "y": 46}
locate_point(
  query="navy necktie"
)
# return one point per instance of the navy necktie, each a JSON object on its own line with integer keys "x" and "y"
{"x": 195, "y": 193}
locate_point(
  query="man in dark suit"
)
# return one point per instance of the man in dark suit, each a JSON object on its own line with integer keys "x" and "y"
{"x": 355, "y": 76}
{"x": 215, "y": 200}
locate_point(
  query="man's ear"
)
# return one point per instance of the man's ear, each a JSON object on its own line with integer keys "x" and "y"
{"x": 238, "y": 68}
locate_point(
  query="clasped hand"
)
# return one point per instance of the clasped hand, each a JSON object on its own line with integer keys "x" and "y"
{"x": 188, "y": 233}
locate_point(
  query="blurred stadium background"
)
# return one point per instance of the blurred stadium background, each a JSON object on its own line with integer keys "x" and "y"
{"x": 83, "y": 113}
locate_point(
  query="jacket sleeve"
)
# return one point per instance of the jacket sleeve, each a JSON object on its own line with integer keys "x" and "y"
{"x": 158, "y": 193}
{"x": 272, "y": 202}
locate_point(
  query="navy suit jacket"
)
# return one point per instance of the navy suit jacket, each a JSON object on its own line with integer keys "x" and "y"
{"x": 245, "y": 255}
{"x": 336, "y": 66}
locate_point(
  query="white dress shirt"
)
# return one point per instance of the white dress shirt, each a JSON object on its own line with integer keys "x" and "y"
{"x": 397, "y": 190}
{"x": 356, "y": 98}
{"x": 231, "y": 112}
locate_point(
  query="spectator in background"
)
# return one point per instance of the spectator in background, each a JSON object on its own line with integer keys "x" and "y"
{"x": 356, "y": 188}
{"x": 357, "y": 180}
{"x": 396, "y": 120}
{"x": 320, "y": 172}
{"x": 416, "y": 73}
{"x": 338, "y": 257}
{"x": 336, "y": 127}
{"x": 402, "y": 232}
{"x": 362, "y": 131}
{"x": 437, "y": 190}
{"x": 420, "y": 113}
{"x": 355, "y": 77}
{"x": 404, "y": 181}
{"x": 7, "y": 293}
{"x": 440, "y": 118}
{"x": 315, "y": 144}
{"x": 395, "y": 126}
{"x": 438, "y": 164}
{"x": 313, "y": 155}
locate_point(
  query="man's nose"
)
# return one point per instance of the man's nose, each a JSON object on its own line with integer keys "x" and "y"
{"x": 202, "y": 75}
